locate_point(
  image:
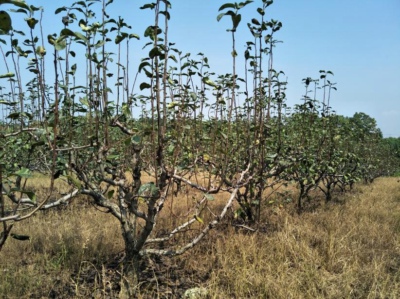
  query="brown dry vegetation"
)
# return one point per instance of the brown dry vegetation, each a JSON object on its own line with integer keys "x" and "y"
{"x": 346, "y": 249}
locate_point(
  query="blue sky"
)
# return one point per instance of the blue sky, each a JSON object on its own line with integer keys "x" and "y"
{"x": 358, "y": 40}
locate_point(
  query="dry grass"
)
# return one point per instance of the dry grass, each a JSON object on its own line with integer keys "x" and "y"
{"x": 349, "y": 249}
{"x": 64, "y": 243}
{"x": 40, "y": 183}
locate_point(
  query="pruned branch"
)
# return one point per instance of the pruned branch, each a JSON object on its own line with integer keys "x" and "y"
{"x": 40, "y": 206}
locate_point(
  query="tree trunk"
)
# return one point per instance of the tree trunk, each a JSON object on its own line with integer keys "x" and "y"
{"x": 130, "y": 275}
{"x": 328, "y": 195}
{"x": 130, "y": 271}
{"x": 300, "y": 198}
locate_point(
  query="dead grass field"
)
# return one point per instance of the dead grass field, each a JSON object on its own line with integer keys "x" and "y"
{"x": 346, "y": 249}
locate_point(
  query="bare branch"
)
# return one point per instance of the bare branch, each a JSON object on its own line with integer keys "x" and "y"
{"x": 196, "y": 186}
{"x": 211, "y": 224}
{"x": 62, "y": 200}
{"x": 171, "y": 234}
{"x": 118, "y": 124}
{"x": 17, "y": 133}
{"x": 103, "y": 202}
{"x": 245, "y": 227}
{"x": 72, "y": 148}
{"x": 42, "y": 206}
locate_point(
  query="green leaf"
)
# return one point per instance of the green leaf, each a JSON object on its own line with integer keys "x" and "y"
{"x": 60, "y": 44}
{"x": 126, "y": 110}
{"x": 18, "y": 3}
{"x": 74, "y": 181}
{"x": 20, "y": 237}
{"x": 58, "y": 10}
{"x": 173, "y": 58}
{"x": 209, "y": 197}
{"x": 151, "y": 31}
{"x": 127, "y": 141}
{"x": 166, "y": 14}
{"x": 80, "y": 36}
{"x": 23, "y": 173}
{"x": 8, "y": 75}
{"x": 5, "y": 22}
{"x": 31, "y": 195}
{"x": 239, "y": 213}
{"x": 198, "y": 219}
{"x": 119, "y": 38}
{"x": 112, "y": 157}
{"x": 226, "y": 5}
{"x": 136, "y": 139}
{"x": 36, "y": 144}
{"x": 209, "y": 82}
{"x": 236, "y": 20}
{"x": 8, "y": 103}
{"x": 255, "y": 22}
{"x": 83, "y": 26}
{"x": 84, "y": 101}
{"x": 132, "y": 35}
{"x": 272, "y": 156}
{"x": 51, "y": 39}
{"x": 31, "y": 22}
{"x": 243, "y": 4}
{"x": 185, "y": 65}
{"x": 155, "y": 52}
{"x": 223, "y": 135}
{"x": 150, "y": 5}
{"x": 67, "y": 32}
{"x": 40, "y": 51}
{"x": 269, "y": 2}
{"x": 219, "y": 17}
{"x": 149, "y": 190}
{"x": 260, "y": 11}
{"x": 144, "y": 85}
{"x": 143, "y": 64}
{"x": 172, "y": 105}
{"x": 171, "y": 149}
{"x": 110, "y": 194}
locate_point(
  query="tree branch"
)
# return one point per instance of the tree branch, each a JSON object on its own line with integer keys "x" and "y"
{"x": 211, "y": 224}
{"x": 41, "y": 206}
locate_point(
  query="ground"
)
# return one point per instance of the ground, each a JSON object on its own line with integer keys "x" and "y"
{"x": 349, "y": 248}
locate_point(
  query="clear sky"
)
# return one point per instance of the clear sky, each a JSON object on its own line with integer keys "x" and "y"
{"x": 358, "y": 40}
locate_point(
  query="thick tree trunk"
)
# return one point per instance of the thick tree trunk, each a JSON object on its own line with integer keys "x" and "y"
{"x": 130, "y": 271}
{"x": 131, "y": 268}
{"x": 300, "y": 199}
{"x": 328, "y": 194}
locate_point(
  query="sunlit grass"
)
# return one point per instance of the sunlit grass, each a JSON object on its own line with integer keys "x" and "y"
{"x": 349, "y": 249}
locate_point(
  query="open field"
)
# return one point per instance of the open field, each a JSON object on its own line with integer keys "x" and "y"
{"x": 346, "y": 249}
